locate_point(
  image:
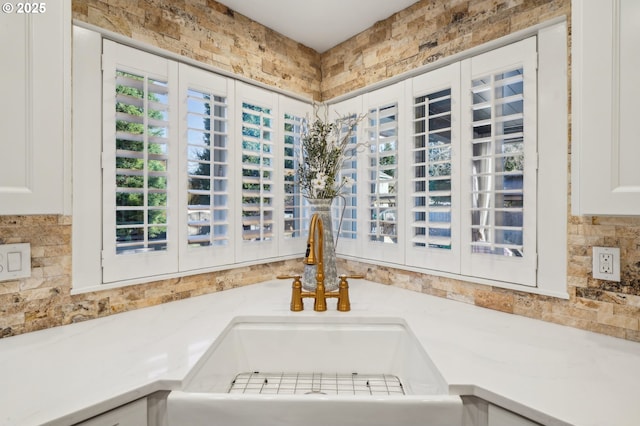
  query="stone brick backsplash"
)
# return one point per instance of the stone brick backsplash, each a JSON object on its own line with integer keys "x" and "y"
{"x": 209, "y": 32}
{"x": 44, "y": 300}
{"x": 213, "y": 34}
{"x": 425, "y": 32}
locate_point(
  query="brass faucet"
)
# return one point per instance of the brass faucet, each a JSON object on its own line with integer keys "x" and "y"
{"x": 315, "y": 256}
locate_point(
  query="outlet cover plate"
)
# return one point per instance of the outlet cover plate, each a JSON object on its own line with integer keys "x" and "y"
{"x": 15, "y": 261}
{"x": 606, "y": 263}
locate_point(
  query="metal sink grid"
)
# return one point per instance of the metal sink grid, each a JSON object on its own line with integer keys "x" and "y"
{"x": 316, "y": 383}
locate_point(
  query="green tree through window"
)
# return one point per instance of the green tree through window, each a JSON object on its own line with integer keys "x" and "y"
{"x": 141, "y": 164}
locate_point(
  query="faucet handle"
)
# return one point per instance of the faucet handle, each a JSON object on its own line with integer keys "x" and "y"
{"x": 296, "y": 292}
{"x": 344, "y": 305}
{"x": 286, "y": 277}
{"x": 354, "y": 276}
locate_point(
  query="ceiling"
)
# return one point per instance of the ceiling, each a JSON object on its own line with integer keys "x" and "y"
{"x": 318, "y": 24}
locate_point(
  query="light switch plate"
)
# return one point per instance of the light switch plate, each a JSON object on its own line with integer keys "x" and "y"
{"x": 606, "y": 263}
{"x": 15, "y": 261}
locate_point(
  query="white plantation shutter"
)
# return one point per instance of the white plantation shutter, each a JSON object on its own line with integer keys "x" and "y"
{"x": 500, "y": 156}
{"x": 258, "y": 172}
{"x": 140, "y": 160}
{"x": 198, "y": 171}
{"x": 345, "y": 206}
{"x": 256, "y": 140}
{"x": 293, "y": 201}
{"x": 434, "y": 174}
{"x": 383, "y": 227}
{"x": 345, "y": 213}
{"x": 295, "y": 211}
{"x": 207, "y": 237}
{"x": 383, "y": 173}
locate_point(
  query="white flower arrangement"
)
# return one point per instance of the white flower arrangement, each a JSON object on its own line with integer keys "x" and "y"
{"x": 323, "y": 150}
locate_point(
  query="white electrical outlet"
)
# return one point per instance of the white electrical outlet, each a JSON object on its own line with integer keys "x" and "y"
{"x": 15, "y": 261}
{"x": 606, "y": 263}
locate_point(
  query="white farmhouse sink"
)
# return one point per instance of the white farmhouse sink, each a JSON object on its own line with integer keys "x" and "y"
{"x": 314, "y": 371}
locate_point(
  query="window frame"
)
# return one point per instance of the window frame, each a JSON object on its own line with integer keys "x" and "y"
{"x": 512, "y": 269}
{"x": 190, "y": 257}
{"x": 551, "y": 163}
{"x": 552, "y": 175}
{"x": 123, "y": 266}
{"x": 88, "y": 253}
{"x": 446, "y": 260}
{"x": 379, "y": 251}
{"x": 291, "y": 246}
{"x": 350, "y": 246}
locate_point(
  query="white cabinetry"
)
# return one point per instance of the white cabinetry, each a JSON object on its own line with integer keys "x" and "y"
{"x": 35, "y": 108}
{"x": 132, "y": 414}
{"x": 479, "y": 412}
{"x": 605, "y": 107}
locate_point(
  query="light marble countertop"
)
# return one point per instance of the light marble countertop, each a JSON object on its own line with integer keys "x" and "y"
{"x": 547, "y": 372}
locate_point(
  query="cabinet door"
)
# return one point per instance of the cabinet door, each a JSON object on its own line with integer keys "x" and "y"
{"x": 34, "y": 112}
{"x": 133, "y": 414}
{"x": 605, "y": 141}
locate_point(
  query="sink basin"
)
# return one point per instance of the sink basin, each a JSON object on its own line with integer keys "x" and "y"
{"x": 373, "y": 371}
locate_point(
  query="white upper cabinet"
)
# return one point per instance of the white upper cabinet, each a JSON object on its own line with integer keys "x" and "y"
{"x": 605, "y": 141}
{"x": 35, "y": 112}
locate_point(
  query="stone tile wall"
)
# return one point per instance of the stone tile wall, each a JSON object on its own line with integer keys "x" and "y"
{"x": 426, "y": 31}
{"x": 213, "y": 34}
{"x": 44, "y": 300}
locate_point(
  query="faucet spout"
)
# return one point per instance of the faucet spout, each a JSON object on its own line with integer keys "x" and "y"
{"x": 315, "y": 251}
{"x": 315, "y": 256}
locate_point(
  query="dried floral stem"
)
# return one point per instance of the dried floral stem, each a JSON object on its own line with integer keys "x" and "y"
{"x": 323, "y": 151}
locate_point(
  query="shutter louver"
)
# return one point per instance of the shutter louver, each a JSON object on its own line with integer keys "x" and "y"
{"x": 141, "y": 162}
{"x": 383, "y": 173}
{"x": 498, "y": 164}
{"x": 207, "y": 168}
{"x": 346, "y": 213}
{"x": 432, "y": 171}
{"x": 257, "y": 173}
{"x": 294, "y": 204}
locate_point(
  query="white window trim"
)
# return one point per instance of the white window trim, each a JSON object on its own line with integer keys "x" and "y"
{"x": 87, "y": 174}
{"x": 88, "y": 211}
{"x": 552, "y": 210}
{"x": 552, "y": 193}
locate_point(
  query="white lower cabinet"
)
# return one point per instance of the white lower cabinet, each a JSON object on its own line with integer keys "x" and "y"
{"x": 479, "y": 412}
{"x": 132, "y": 414}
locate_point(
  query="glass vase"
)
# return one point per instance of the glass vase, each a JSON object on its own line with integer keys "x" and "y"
{"x": 322, "y": 206}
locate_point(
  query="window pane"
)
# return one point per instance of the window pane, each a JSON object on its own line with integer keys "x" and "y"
{"x": 294, "y": 203}
{"x": 382, "y": 133}
{"x": 431, "y": 192}
{"x": 142, "y": 129}
{"x": 207, "y": 153}
{"x": 497, "y": 166}
{"x": 346, "y": 206}
{"x": 257, "y": 173}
